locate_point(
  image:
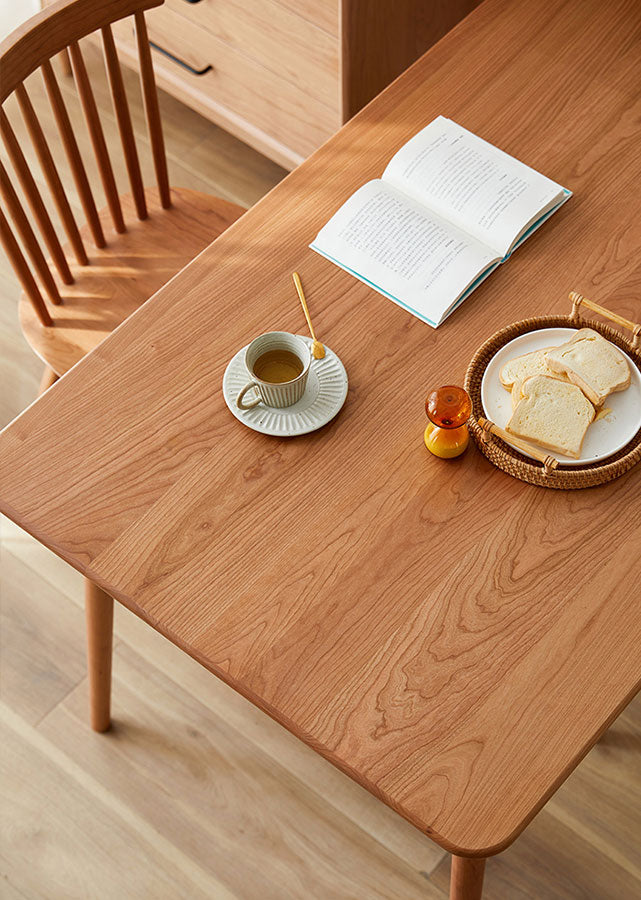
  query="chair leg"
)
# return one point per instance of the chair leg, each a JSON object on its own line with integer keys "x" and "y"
{"x": 49, "y": 377}
{"x": 99, "y": 608}
{"x": 466, "y": 878}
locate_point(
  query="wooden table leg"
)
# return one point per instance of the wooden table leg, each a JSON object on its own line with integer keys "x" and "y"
{"x": 99, "y": 608}
{"x": 466, "y": 878}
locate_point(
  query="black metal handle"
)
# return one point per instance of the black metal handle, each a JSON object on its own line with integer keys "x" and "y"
{"x": 179, "y": 61}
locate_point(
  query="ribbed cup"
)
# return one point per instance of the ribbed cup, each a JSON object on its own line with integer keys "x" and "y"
{"x": 288, "y": 392}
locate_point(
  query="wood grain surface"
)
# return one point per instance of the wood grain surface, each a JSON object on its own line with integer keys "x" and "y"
{"x": 453, "y": 639}
{"x": 380, "y": 40}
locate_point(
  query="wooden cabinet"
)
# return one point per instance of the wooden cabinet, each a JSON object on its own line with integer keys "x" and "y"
{"x": 283, "y": 75}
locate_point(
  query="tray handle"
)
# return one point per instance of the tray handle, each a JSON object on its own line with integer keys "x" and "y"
{"x": 578, "y": 299}
{"x": 489, "y": 428}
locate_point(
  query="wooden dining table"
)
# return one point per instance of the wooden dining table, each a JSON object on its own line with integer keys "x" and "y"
{"x": 453, "y": 639}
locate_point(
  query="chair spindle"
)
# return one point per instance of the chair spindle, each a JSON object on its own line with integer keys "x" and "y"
{"x": 34, "y": 199}
{"x": 51, "y": 174}
{"x": 96, "y": 134}
{"x": 150, "y": 97}
{"x": 72, "y": 152}
{"x": 121, "y": 109}
{"x": 20, "y": 267}
{"x": 28, "y": 238}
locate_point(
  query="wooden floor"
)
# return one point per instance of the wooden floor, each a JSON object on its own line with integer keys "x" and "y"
{"x": 195, "y": 793}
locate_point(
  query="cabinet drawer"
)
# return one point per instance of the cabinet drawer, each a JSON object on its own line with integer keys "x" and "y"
{"x": 272, "y": 35}
{"x": 323, "y": 13}
{"x": 252, "y": 102}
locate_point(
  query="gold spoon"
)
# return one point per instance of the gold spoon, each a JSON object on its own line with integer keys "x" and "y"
{"x": 318, "y": 351}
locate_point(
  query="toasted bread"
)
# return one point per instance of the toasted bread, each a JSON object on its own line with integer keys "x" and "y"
{"x": 522, "y": 367}
{"x": 591, "y": 362}
{"x": 516, "y": 392}
{"x": 552, "y": 413}
{"x": 533, "y": 363}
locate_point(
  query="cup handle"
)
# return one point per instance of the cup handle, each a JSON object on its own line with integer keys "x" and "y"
{"x": 239, "y": 398}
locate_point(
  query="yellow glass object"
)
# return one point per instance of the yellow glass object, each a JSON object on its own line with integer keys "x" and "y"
{"x": 446, "y": 442}
{"x": 448, "y": 409}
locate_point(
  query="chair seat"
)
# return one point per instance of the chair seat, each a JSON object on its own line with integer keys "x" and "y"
{"x": 125, "y": 273}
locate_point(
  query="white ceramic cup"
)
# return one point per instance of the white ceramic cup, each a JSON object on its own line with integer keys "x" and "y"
{"x": 276, "y": 395}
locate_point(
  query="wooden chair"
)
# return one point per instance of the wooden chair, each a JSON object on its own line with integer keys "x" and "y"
{"x": 86, "y": 287}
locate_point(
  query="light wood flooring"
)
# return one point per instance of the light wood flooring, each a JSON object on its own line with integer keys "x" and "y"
{"x": 195, "y": 793}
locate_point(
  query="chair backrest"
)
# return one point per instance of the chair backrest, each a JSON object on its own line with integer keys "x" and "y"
{"x": 32, "y": 46}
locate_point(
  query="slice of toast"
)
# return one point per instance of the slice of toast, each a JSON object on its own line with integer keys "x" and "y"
{"x": 516, "y": 393}
{"x": 554, "y": 414}
{"x": 591, "y": 362}
{"x": 522, "y": 367}
{"x": 533, "y": 363}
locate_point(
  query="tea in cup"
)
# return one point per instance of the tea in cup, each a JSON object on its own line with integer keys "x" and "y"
{"x": 278, "y": 364}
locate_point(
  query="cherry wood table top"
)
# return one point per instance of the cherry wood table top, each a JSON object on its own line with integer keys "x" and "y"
{"x": 453, "y": 639}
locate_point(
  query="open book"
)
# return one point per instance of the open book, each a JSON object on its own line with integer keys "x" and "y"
{"x": 448, "y": 209}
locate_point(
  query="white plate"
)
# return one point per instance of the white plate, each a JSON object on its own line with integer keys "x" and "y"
{"x": 605, "y": 436}
{"x": 323, "y": 398}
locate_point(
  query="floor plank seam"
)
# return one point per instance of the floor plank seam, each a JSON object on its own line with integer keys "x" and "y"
{"x": 146, "y": 831}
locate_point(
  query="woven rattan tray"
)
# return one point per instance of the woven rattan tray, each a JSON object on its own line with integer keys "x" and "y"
{"x": 547, "y": 472}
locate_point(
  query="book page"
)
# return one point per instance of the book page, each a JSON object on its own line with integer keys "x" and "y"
{"x": 404, "y": 250}
{"x": 480, "y": 188}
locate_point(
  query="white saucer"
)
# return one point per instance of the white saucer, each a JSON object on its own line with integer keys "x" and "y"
{"x": 323, "y": 398}
{"x": 604, "y": 436}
